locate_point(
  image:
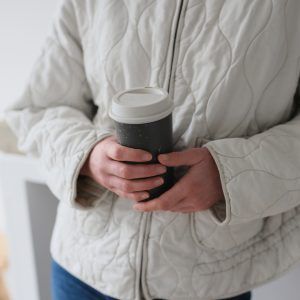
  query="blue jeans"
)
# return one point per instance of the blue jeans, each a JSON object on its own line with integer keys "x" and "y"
{"x": 67, "y": 287}
{"x": 64, "y": 286}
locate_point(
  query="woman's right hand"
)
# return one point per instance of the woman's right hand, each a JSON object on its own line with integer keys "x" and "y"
{"x": 106, "y": 165}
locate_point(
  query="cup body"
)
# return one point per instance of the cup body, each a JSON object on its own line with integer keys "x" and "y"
{"x": 154, "y": 137}
{"x": 152, "y": 132}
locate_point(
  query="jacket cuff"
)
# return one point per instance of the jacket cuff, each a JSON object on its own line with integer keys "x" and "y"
{"x": 221, "y": 211}
{"x": 84, "y": 193}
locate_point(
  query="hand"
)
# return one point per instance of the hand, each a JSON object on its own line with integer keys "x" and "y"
{"x": 199, "y": 189}
{"x": 104, "y": 165}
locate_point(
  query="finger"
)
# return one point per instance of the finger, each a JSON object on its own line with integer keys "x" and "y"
{"x": 164, "y": 202}
{"x": 186, "y": 157}
{"x": 122, "y": 153}
{"x": 137, "y": 196}
{"x": 129, "y": 171}
{"x": 137, "y": 185}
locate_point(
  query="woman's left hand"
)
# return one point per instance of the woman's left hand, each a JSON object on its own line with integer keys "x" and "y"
{"x": 199, "y": 189}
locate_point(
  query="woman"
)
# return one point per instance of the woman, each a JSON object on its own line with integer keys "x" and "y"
{"x": 231, "y": 221}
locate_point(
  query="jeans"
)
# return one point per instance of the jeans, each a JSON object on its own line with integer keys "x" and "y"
{"x": 67, "y": 287}
{"x": 64, "y": 286}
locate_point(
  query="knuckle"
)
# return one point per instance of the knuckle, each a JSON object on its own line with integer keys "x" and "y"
{"x": 117, "y": 153}
{"x": 126, "y": 186}
{"x": 124, "y": 172}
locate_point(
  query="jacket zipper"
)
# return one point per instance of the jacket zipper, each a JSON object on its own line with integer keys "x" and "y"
{"x": 173, "y": 61}
{"x": 148, "y": 218}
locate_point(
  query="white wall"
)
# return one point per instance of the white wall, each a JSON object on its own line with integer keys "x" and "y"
{"x": 23, "y": 24}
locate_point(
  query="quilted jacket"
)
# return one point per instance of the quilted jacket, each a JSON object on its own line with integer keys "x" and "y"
{"x": 232, "y": 70}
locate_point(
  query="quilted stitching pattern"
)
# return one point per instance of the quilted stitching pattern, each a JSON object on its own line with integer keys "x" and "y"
{"x": 236, "y": 72}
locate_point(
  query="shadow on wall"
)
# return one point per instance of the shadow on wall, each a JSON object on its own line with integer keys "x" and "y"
{"x": 42, "y": 210}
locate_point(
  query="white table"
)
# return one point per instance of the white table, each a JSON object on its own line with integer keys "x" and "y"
{"x": 30, "y": 210}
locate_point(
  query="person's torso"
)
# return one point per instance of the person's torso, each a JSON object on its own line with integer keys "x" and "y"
{"x": 231, "y": 68}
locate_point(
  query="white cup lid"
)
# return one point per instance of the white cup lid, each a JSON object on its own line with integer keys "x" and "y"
{"x": 140, "y": 105}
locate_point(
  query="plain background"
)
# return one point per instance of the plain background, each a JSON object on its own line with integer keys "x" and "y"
{"x": 23, "y": 25}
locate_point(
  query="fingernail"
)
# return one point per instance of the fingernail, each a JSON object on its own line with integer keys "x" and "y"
{"x": 159, "y": 181}
{"x": 162, "y": 170}
{"x": 147, "y": 157}
{"x": 144, "y": 196}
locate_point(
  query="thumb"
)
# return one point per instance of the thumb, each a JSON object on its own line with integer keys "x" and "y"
{"x": 187, "y": 157}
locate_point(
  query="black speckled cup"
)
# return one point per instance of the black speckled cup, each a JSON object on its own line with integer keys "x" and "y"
{"x": 143, "y": 120}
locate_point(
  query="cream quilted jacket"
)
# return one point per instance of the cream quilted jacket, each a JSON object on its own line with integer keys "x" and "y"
{"x": 232, "y": 68}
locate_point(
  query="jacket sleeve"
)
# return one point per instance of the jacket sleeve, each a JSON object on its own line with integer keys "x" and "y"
{"x": 260, "y": 175}
{"x": 53, "y": 117}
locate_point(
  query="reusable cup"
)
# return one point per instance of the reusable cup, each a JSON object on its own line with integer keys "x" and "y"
{"x": 143, "y": 120}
